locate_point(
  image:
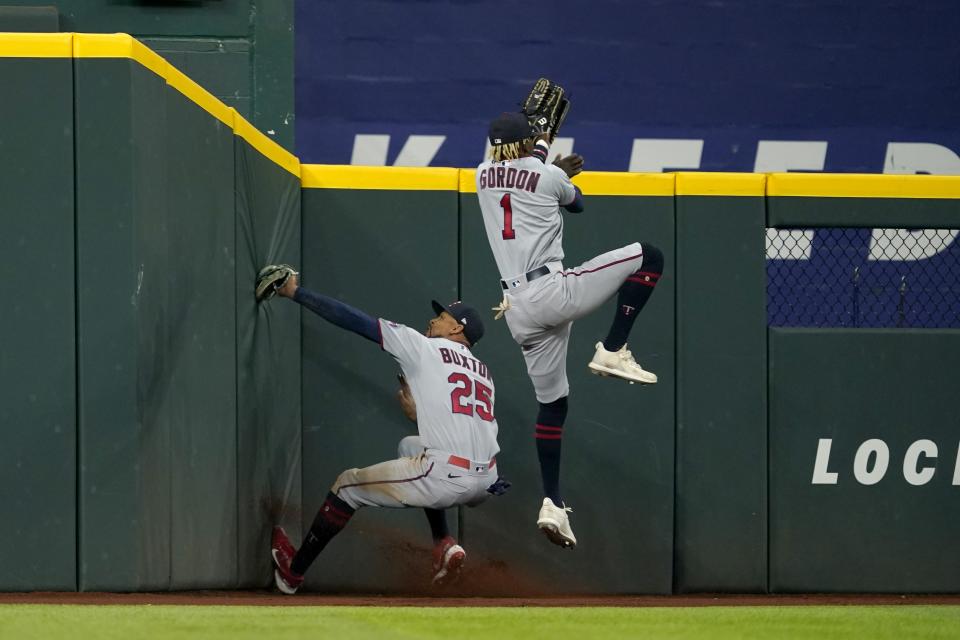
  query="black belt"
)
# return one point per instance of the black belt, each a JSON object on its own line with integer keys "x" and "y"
{"x": 529, "y": 276}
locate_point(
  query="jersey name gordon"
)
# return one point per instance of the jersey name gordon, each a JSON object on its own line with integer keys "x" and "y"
{"x": 509, "y": 178}
{"x": 468, "y": 363}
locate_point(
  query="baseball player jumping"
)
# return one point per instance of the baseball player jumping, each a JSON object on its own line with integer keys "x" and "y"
{"x": 450, "y": 394}
{"x": 520, "y": 196}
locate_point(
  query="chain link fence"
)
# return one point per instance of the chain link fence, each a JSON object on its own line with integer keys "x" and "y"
{"x": 906, "y": 278}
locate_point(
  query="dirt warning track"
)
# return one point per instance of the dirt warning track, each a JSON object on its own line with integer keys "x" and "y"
{"x": 266, "y": 598}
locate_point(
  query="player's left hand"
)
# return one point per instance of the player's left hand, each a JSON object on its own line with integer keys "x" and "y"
{"x": 571, "y": 165}
{"x": 274, "y": 279}
{"x": 499, "y": 487}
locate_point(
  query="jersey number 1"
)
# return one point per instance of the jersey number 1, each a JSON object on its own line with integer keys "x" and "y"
{"x": 508, "y": 232}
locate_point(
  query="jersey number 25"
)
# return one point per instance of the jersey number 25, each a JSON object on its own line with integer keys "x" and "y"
{"x": 460, "y": 397}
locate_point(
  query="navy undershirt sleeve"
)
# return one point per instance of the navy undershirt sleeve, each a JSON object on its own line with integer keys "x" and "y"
{"x": 338, "y": 313}
{"x": 577, "y": 205}
{"x": 540, "y": 151}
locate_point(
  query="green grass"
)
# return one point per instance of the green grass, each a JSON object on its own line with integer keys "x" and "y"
{"x": 75, "y": 622}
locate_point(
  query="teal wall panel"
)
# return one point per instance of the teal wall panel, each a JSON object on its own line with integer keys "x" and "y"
{"x": 43, "y": 19}
{"x": 388, "y": 253}
{"x": 220, "y": 18}
{"x": 222, "y": 67}
{"x": 268, "y": 363}
{"x": 157, "y": 401}
{"x": 850, "y": 531}
{"x": 37, "y": 327}
{"x": 793, "y": 211}
{"x": 272, "y": 71}
{"x": 201, "y": 336}
{"x": 721, "y": 499}
{"x": 618, "y": 448}
{"x": 123, "y": 499}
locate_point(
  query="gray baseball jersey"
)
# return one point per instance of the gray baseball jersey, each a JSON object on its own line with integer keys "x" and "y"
{"x": 525, "y": 230}
{"x": 453, "y": 391}
{"x": 519, "y": 200}
{"x": 452, "y": 460}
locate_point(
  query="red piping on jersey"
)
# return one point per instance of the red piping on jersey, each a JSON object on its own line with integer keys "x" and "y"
{"x": 363, "y": 484}
{"x": 580, "y": 273}
{"x": 380, "y": 331}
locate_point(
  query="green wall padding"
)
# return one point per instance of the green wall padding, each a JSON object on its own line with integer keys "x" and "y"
{"x": 201, "y": 256}
{"x": 268, "y": 364}
{"x": 721, "y": 498}
{"x": 851, "y": 386}
{"x": 617, "y": 469}
{"x": 228, "y": 18}
{"x": 388, "y": 253}
{"x": 38, "y": 430}
{"x": 220, "y": 66}
{"x": 157, "y": 354}
{"x": 43, "y": 19}
{"x": 123, "y": 483}
{"x": 895, "y": 213}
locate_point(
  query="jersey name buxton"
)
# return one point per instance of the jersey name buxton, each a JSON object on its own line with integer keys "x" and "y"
{"x": 520, "y": 202}
{"x": 453, "y": 390}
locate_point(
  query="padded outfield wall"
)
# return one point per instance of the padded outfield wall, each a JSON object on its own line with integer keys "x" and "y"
{"x": 702, "y": 483}
{"x": 151, "y": 426}
{"x": 154, "y": 428}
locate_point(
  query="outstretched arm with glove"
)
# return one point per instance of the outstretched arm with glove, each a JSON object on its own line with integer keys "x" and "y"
{"x": 282, "y": 280}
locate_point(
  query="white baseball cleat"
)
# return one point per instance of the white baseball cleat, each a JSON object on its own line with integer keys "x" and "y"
{"x": 620, "y": 364}
{"x": 555, "y": 523}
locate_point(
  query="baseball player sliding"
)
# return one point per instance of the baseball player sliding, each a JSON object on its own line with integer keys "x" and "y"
{"x": 520, "y": 197}
{"x": 447, "y": 391}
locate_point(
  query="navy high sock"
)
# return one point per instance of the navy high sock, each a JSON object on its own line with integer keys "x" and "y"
{"x": 633, "y": 295}
{"x": 332, "y": 517}
{"x": 438, "y": 524}
{"x": 549, "y": 435}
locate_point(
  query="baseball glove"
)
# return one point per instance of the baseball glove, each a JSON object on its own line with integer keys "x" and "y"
{"x": 271, "y": 279}
{"x": 546, "y": 107}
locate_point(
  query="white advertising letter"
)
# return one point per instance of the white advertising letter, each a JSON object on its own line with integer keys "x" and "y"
{"x": 370, "y": 150}
{"x": 821, "y": 475}
{"x": 911, "y": 472}
{"x": 920, "y": 157}
{"x": 956, "y": 469}
{"x": 875, "y": 475}
{"x": 650, "y": 155}
{"x": 904, "y": 245}
{"x": 784, "y": 155}
{"x": 418, "y": 151}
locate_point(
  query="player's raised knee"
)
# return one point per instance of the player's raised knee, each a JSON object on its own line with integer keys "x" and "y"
{"x": 346, "y": 478}
{"x": 652, "y": 259}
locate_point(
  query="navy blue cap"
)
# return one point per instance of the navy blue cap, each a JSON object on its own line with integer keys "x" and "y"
{"x": 511, "y": 127}
{"x": 465, "y": 315}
